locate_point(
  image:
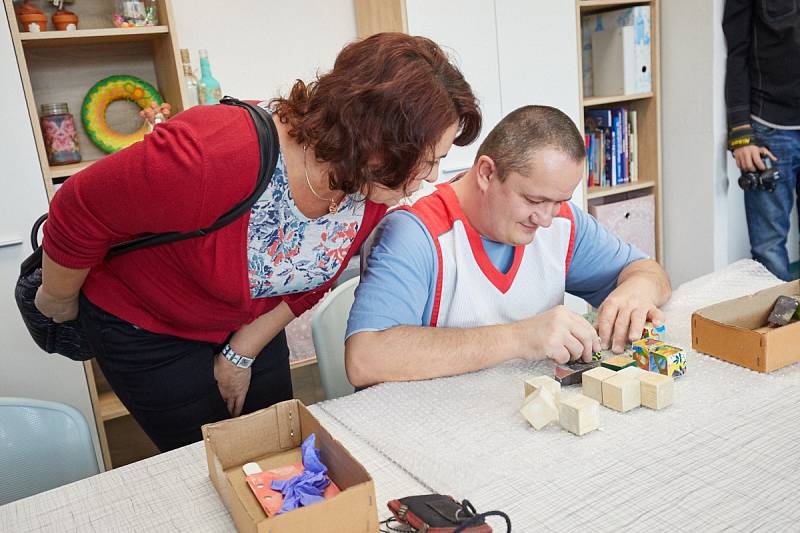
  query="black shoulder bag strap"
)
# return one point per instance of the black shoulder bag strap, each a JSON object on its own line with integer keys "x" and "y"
{"x": 268, "y": 148}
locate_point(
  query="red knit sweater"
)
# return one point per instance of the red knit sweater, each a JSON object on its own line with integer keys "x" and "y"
{"x": 182, "y": 177}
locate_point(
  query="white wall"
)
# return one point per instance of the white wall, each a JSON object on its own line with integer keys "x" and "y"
{"x": 258, "y": 48}
{"x": 470, "y": 39}
{"x": 701, "y": 196}
{"x": 25, "y": 370}
{"x": 538, "y": 50}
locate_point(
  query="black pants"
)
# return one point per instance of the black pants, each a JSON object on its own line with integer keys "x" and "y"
{"x": 167, "y": 383}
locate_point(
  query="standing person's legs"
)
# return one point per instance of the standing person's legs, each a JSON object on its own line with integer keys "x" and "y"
{"x": 167, "y": 383}
{"x": 768, "y": 213}
{"x": 795, "y": 167}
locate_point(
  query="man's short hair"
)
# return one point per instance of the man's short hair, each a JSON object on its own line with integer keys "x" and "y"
{"x": 520, "y": 134}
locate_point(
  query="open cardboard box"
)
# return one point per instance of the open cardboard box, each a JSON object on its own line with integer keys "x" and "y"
{"x": 737, "y": 331}
{"x": 272, "y": 437}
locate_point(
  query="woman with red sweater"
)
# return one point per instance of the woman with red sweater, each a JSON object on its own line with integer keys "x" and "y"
{"x": 191, "y": 332}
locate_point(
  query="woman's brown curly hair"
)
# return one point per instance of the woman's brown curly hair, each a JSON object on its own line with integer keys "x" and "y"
{"x": 377, "y": 115}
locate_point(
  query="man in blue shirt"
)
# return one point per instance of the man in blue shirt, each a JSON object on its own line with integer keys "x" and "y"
{"x": 475, "y": 273}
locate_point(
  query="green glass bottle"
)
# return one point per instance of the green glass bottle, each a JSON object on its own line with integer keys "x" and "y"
{"x": 209, "y": 90}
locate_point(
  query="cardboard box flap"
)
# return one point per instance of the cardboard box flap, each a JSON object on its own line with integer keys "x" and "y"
{"x": 342, "y": 466}
{"x": 751, "y": 311}
{"x": 783, "y": 346}
{"x": 259, "y": 439}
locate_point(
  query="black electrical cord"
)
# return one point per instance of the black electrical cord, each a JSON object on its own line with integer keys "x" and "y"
{"x": 479, "y": 518}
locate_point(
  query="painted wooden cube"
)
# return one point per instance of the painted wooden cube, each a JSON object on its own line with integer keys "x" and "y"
{"x": 652, "y": 331}
{"x": 618, "y": 363}
{"x": 571, "y": 373}
{"x": 641, "y": 353}
{"x": 668, "y": 360}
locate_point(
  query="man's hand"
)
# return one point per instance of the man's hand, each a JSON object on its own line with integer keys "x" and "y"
{"x": 558, "y": 334}
{"x": 623, "y": 314}
{"x": 748, "y": 158}
{"x": 59, "y": 309}
{"x": 233, "y": 383}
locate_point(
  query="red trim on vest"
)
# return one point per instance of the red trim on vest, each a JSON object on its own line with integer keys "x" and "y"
{"x": 430, "y": 213}
{"x": 502, "y": 281}
{"x": 566, "y": 212}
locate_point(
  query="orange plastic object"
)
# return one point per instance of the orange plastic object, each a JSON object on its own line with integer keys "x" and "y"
{"x": 272, "y": 500}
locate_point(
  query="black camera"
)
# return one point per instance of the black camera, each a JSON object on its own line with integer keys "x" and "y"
{"x": 760, "y": 181}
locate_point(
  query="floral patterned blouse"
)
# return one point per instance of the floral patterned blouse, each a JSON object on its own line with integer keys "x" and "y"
{"x": 288, "y": 252}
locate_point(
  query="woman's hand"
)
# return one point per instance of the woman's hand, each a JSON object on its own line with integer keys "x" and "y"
{"x": 58, "y": 309}
{"x": 233, "y": 383}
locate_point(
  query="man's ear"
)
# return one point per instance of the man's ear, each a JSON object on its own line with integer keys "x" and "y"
{"x": 486, "y": 170}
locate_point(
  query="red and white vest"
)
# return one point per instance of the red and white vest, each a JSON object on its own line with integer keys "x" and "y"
{"x": 470, "y": 291}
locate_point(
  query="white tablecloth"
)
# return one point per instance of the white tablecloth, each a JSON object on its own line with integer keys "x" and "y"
{"x": 726, "y": 456}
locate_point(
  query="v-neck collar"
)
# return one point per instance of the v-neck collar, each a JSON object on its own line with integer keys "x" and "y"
{"x": 502, "y": 281}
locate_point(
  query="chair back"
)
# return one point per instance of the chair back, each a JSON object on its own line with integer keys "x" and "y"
{"x": 43, "y": 445}
{"x": 328, "y": 327}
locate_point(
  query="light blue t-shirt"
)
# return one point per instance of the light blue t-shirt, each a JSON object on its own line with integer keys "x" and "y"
{"x": 399, "y": 283}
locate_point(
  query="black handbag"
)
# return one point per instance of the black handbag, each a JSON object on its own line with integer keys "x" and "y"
{"x": 67, "y": 338}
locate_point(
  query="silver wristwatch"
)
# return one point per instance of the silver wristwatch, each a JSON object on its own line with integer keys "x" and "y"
{"x": 237, "y": 359}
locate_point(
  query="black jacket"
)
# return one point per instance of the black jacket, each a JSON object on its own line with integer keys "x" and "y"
{"x": 763, "y": 76}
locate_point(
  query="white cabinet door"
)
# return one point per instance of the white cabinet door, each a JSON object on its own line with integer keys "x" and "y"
{"x": 26, "y": 370}
{"x": 466, "y": 29}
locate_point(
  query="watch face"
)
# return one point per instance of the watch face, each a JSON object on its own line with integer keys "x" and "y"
{"x": 244, "y": 362}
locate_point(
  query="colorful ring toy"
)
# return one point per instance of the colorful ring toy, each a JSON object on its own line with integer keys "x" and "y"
{"x": 111, "y": 89}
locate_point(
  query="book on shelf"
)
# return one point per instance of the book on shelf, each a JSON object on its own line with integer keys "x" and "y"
{"x": 611, "y": 138}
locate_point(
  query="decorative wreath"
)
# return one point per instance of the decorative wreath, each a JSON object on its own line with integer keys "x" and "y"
{"x": 111, "y": 89}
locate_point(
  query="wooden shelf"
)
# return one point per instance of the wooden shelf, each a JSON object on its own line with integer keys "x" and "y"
{"x": 65, "y": 171}
{"x": 79, "y": 37}
{"x": 591, "y": 6}
{"x": 303, "y": 362}
{"x": 590, "y": 101}
{"x": 110, "y": 406}
{"x": 601, "y": 192}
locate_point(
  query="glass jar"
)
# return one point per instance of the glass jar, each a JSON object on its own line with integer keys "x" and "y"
{"x": 60, "y": 135}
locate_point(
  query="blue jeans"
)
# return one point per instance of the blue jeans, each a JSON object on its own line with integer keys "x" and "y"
{"x": 769, "y": 213}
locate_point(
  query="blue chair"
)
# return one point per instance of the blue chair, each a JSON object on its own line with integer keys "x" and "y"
{"x": 43, "y": 445}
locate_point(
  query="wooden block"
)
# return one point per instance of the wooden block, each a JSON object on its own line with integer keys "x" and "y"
{"x": 540, "y": 408}
{"x": 651, "y": 331}
{"x": 593, "y": 382}
{"x": 534, "y": 384}
{"x": 571, "y": 374}
{"x": 657, "y": 391}
{"x": 641, "y": 353}
{"x": 579, "y": 414}
{"x": 621, "y": 393}
{"x": 633, "y": 372}
{"x": 668, "y": 360}
{"x": 618, "y": 363}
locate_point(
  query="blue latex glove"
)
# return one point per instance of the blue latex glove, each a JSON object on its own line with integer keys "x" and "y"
{"x": 307, "y": 488}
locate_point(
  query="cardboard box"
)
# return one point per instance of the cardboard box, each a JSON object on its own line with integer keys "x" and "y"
{"x": 272, "y": 438}
{"x": 736, "y": 331}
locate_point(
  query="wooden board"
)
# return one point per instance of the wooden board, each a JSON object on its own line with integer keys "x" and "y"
{"x": 375, "y": 16}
